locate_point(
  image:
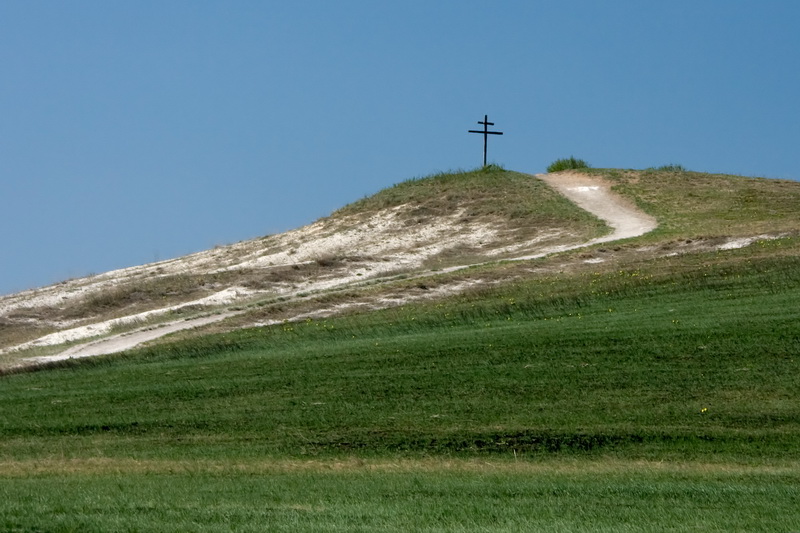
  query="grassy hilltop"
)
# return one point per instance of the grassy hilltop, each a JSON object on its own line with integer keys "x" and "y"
{"x": 642, "y": 385}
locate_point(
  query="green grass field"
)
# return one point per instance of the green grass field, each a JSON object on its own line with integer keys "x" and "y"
{"x": 457, "y": 496}
{"x": 654, "y": 394}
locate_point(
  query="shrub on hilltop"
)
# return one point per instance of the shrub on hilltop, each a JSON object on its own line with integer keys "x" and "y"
{"x": 568, "y": 163}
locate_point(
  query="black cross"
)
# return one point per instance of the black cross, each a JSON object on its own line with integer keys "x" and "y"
{"x": 486, "y": 133}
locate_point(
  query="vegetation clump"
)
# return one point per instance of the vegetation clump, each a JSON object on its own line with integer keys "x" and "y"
{"x": 569, "y": 163}
{"x": 672, "y": 167}
{"x": 493, "y": 167}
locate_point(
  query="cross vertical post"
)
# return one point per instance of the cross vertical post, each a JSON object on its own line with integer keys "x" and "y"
{"x": 486, "y": 134}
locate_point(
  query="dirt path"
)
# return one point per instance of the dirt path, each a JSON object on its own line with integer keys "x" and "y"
{"x": 589, "y": 192}
{"x": 594, "y": 195}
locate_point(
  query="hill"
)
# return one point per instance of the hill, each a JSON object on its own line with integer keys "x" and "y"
{"x": 421, "y": 227}
{"x": 447, "y": 221}
{"x": 413, "y": 229}
{"x": 615, "y": 376}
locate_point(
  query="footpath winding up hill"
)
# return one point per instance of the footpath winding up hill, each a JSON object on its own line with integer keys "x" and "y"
{"x": 414, "y": 230}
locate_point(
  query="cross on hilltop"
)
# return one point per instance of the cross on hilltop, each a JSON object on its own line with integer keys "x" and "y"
{"x": 486, "y": 134}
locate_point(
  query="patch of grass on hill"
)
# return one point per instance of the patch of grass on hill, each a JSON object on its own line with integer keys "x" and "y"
{"x": 141, "y": 294}
{"x": 672, "y": 167}
{"x": 19, "y": 330}
{"x": 489, "y": 193}
{"x": 694, "y": 204}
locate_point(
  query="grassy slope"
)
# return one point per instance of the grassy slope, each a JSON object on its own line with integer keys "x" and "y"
{"x": 694, "y": 204}
{"x": 646, "y": 394}
{"x": 488, "y": 193}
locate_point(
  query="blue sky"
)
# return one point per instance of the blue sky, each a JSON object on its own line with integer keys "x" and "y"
{"x": 138, "y": 131}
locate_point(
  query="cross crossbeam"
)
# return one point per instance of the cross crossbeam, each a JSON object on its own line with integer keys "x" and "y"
{"x": 486, "y": 134}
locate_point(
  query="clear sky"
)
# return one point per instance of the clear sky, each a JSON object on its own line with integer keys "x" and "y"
{"x": 144, "y": 130}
